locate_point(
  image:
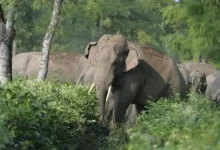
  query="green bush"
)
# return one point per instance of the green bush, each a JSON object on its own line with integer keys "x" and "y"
{"x": 46, "y": 115}
{"x": 173, "y": 124}
{"x": 50, "y": 115}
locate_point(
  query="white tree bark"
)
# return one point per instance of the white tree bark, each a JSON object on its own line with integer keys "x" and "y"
{"x": 6, "y": 36}
{"x": 14, "y": 48}
{"x": 10, "y": 34}
{"x": 4, "y": 56}
{"x": 47, "y": 41}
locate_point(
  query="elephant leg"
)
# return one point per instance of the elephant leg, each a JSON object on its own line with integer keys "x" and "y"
{"x": 124, "y": 95}
{"x": 132, "y": 112}
{"x": 109, "y": 108}
{"x": 80, "y": 79}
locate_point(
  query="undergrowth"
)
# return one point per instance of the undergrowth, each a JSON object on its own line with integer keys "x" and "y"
{"x": 51, "y": 115}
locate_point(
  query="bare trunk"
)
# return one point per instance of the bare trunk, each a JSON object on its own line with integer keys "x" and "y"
{"x": 10, "y": 34}
{"x": 14, "y": 48}
{"x": 6, "y": 38}
{"x": 206, "y": 59}
{"x": 200, "y": 58}
{"x": 4, "y": 58}
{"x": 47, "y": 41}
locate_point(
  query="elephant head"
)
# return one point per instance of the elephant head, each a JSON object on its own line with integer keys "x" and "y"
{"x": 112, "y": 56}
{"x": 198, "y": 81}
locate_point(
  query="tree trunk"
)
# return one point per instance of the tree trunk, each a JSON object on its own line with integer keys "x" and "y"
{"x": 200, "y": 58}
{"x": 14, "y": 48}
{"x": 206, "y": 59}
{"x": 6, "y": 36}
{"x": 47, "y": 41}
{"x": 10, "y": 33}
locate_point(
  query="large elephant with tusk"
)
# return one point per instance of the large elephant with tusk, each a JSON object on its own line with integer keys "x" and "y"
{"x": 137, "y": 74}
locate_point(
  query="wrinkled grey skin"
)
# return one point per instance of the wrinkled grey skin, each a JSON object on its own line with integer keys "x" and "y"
{"x": 86, "y": 76}
{"x": 213, "y": 87}
{"x": 198, "y": 81}
{"x": 64, "y": 67}
{"x": 20, "y": 62}
{"x": 130, "y": 116}
{"x": 185, "y": 74}
{"x": 137, "y": 73}
{"x": 197, "y": 73}
{"x": 202, "y": 67}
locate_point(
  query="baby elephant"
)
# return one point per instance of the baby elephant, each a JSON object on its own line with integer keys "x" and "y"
{"x": 198, "y": 81}
{"x": 213, "y": 87}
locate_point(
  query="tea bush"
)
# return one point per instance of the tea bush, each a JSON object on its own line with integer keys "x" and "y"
{"x": 173, "y": 124}
{"x": 49, "y": 115}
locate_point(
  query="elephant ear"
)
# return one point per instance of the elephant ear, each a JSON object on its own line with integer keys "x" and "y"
{"x": 132, "y": 59}
{"x": 90, "y": 52}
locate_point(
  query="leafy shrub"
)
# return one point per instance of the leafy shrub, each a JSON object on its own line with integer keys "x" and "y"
{"x": 174, "y": 124}
{"x": 50, "y": 115}
{"x": 45, "y": 115}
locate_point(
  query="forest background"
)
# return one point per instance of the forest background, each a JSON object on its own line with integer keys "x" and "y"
{"x": 184, "y": 29}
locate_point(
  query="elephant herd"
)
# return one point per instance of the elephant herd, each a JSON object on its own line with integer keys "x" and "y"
{"x": 127, "y": 76}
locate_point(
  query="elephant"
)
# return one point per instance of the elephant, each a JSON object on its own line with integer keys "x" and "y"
{"x": 185, "y": 74}
{"x": 197, "y": 73}
{"x": 213, "y": 87}
{"x": 66, "y": 67}
{"x": 87, "y": 75}
{"x": 130, "y": 116}
{"x": 198, "y": 81}
{"x": 138, "y": 74}
{"x": 20, "y": 62}
{"x": 202, "y": 67}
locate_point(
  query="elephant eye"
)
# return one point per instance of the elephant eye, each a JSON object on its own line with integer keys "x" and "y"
{"x": 126, "y": 53}
{"x": 120, "y": 58}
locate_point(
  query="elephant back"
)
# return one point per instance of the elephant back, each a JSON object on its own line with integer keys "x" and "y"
{"x": 20, "y": 62}
{"x": 202, "y": 67}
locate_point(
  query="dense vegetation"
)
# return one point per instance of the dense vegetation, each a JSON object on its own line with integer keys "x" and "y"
{"x": 64, "y": 116}
{"x": 184, "y": 29}
{"x": 50, "y": 115}
{"x": 45, "y": 116}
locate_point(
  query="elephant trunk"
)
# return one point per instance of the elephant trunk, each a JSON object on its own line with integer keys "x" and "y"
{"x": 102, "y": 82}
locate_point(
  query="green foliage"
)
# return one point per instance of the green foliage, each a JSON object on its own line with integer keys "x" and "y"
{"x": 174, "y": 124}
{"x": 195, "y": 27}
{"x": 46, "y": 115}
{"x": 50, "y": 115}
{"x": 184, "y": 30}
{"x": 83, "y": 21}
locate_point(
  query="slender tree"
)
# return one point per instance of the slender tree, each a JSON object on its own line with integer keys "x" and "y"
{"x": 10, "y": 32}
{"x": 200, "y": 58}
{"x": 48, "y": 39}
{"x": 4, "y": 69}
{"x": 6, "y": 36}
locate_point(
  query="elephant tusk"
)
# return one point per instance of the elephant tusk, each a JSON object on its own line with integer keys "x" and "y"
{"x": 93, "y": 84}
{"x": 109, "y": 91}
